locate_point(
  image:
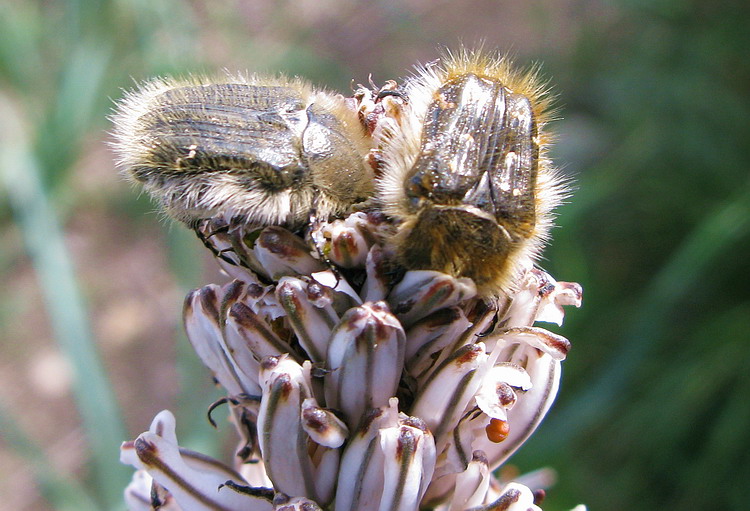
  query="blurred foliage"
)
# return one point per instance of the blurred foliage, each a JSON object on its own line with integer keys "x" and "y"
{"x": 655, "y": 98}
{"x": 60, "y": 63}
{"x": 651, "y": 415}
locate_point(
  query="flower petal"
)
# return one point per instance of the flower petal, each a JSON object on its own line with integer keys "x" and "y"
{"x": 253, "y": 335}
{"x": 365, "y": 360}
{"x": 409, "y": 451}
{"x": 344, "y": 297}
{"x": 310, "y": 314}
{"x": 422, "y": 292}
{"x": 326, "y": 461}
{"x": 375, "y": 287}
{"x": 528, "y": 337}
{"x": 203, "y": 327}
{"x": 497, "y": 392}
{"x": 529, "y": 410}
{"x": 430, "y": 335}
{"x": 442, "y": 399}
{"x": 360, "y": 481}
{"x": 283, "y": 441}
{"x": 139, "y": 494}
{"x": 281, "y": 253}
{"x": 554, "y": 295}
{"x": 284, "y": 503}
{"x": 472, "y": 484}
{"x": 195, "y": 481}
{"x": 350, "y": 240}
{"x": 514, "y": 497}
{"x": 322, "y": 425}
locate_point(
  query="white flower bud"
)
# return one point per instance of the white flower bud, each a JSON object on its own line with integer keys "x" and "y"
{"x": 422, "y": 292}
{"x": 360, "y": 482}
{"x": 409, "y": 450}
{"x": 283, "y": 440}
{"x": 203, "y": 327}
{"x": 350, "y": 241}
{"x": 310, "y": 315}
{"x": 365, "y": 361}
{"x": 445, "y": 395}
{"x": 281, "y": 253}
{"x": 196, "y": 482}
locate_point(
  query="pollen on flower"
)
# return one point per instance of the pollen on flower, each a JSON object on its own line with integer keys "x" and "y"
{"x": 497, "y": 430}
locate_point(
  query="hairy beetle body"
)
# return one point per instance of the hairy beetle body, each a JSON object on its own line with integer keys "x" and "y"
{"x": 264, "y": 151}
{"x": 467, "y": 176}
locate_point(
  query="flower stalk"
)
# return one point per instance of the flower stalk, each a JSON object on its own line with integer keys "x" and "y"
{"x": 353, "y": 387}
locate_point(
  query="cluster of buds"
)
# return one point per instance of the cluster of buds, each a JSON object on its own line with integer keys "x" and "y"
{"x": 354, "y": 386}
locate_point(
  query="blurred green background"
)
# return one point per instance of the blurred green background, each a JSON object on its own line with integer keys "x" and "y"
{"x": 654, "y": 99}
